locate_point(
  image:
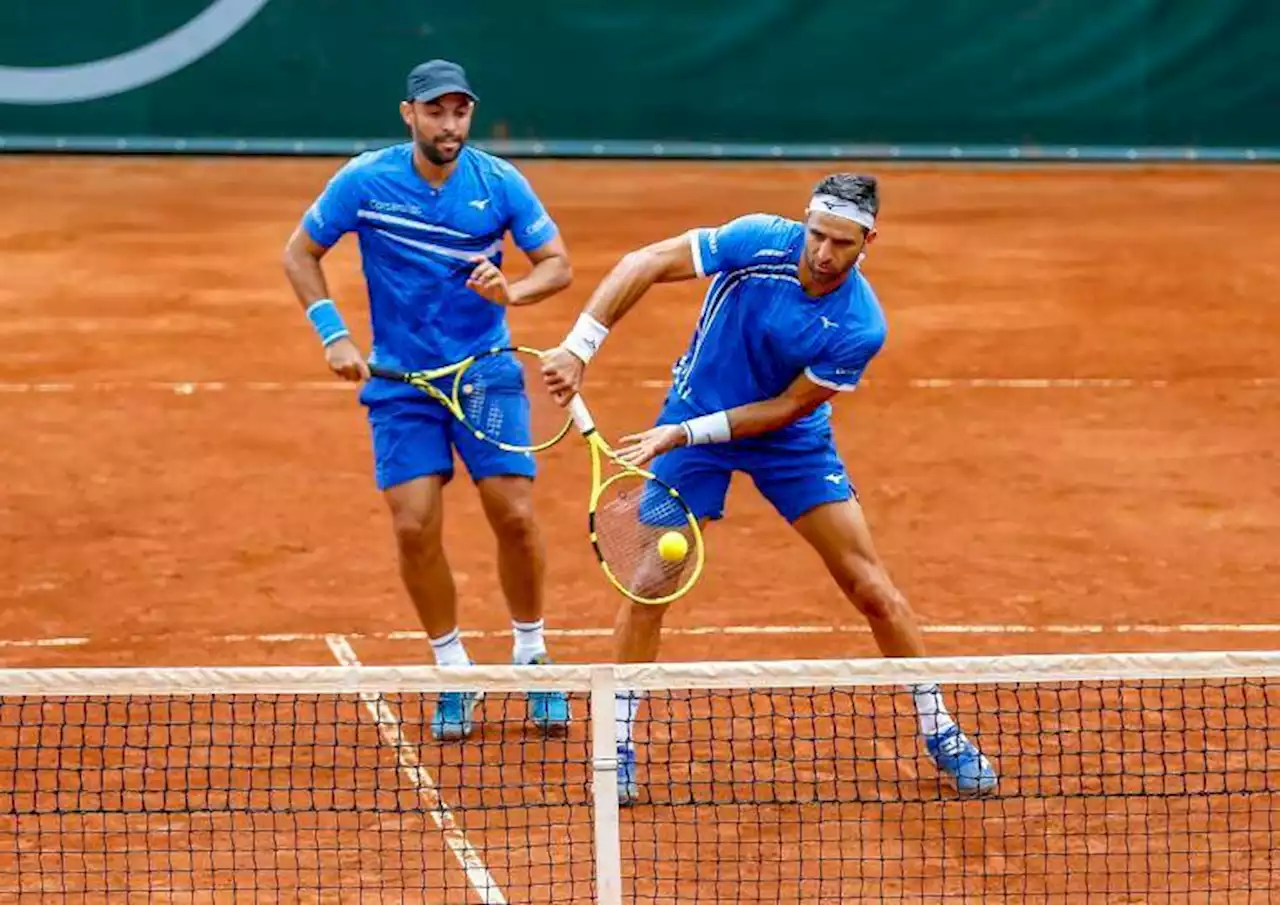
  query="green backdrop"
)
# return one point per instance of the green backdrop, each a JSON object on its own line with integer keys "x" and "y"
{"x": 1116, "y": 73}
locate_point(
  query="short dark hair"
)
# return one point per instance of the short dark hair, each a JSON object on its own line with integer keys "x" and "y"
{"x": 864, "y": 191}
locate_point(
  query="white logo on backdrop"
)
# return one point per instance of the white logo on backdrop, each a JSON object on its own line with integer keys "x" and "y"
{"x": 132, "y": 69}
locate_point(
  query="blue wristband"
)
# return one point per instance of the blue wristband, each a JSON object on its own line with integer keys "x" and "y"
{"x": 327, "y": 322}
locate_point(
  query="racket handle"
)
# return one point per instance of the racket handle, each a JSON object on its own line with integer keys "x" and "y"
{"x": 581, "y": 417}
{"x": 385, "y": 373}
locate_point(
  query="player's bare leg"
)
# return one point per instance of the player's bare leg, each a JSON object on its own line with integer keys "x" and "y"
{"x": 637, "y": 629}
{"x": 839, "y": 534}
{"x": 637, "y": 637}
{"x": 637, "y": 632}
{"x": 417, "y": 517}
{"x": 508, "y": 505}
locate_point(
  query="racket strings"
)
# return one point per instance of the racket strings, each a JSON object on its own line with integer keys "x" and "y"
{"x": 631, "y": 518}
{"x": 483, "y": 409}
{"x": 502, "y": 397}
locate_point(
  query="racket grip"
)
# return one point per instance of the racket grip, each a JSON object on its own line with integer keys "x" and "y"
{"x": 581, "y": 417}
{"x": 385, "y": 373}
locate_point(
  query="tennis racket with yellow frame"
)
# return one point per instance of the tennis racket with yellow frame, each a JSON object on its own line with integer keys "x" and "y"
{"x": 645, "y": 536}
{"x": 489, "y": 394}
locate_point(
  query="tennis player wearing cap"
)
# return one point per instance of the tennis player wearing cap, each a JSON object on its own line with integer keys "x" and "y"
{"x": 430, "y": 215}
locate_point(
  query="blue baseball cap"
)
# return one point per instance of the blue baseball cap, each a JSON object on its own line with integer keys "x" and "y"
{"x": 434, "y": 79}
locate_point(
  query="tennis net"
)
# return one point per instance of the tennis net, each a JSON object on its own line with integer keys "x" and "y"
{"x": 1134, "y": 778}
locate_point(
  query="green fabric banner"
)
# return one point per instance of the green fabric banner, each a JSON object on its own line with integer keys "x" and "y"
{"x": 1034, "y": 72}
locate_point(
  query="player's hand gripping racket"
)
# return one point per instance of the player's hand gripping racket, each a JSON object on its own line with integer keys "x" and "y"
{"x": 645, "y": 536}
{"x": 488, "y": 394}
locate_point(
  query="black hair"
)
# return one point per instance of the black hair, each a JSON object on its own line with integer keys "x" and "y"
{"x": 864, "y": 191}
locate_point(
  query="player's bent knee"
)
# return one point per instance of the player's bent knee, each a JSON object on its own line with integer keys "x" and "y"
{"x": 870, "y": 590}
{"x": 415, "y": 537}
{"x": 513, "y": 521}
{"x": 417, "y": 526}
{"x": 882, "y": 605}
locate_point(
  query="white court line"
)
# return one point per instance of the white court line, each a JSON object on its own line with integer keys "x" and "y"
{"x": 393, "y": 734}
{"x": 46, "y": 642}
{"x": 1186, "y": 628}
{"x": 190, "y": 387}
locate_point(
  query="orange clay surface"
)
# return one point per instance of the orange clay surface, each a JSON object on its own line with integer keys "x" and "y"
{"x": 234, "y": 521}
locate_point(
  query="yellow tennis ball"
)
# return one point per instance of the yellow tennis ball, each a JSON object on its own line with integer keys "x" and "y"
{"x": 672, "y": 546}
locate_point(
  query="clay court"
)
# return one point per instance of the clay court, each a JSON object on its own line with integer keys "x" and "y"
{"x": 1067, "y": 445}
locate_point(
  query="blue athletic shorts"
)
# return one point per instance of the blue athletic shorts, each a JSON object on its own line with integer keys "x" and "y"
{"x": 795, "y": 470}
{"x": 415, "y": 437}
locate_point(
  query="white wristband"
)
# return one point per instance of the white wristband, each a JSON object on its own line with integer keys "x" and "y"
{"x": 585, "y": 338}
{"x": 713, "y": 428}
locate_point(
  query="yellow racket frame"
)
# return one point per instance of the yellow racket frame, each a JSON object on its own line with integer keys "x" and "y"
{"x": 600, "y": 451}
{"x": 425, "y": 381}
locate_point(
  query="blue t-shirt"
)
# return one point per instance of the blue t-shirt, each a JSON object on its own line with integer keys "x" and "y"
{"x": 416, "y": 244}
{"x": 759, "y": 330}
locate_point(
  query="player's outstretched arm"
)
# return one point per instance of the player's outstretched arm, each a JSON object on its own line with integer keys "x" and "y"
{"x": 301, "y": 260}
{"x": 801, "y": 398}
{"x": 667, "y": 261}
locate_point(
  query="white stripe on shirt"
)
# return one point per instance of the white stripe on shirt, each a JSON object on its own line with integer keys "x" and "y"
{"x": 441, "y": 250}
{"x": 838, "y": 387}
{"x": 412, "y": 224}
{"x": 715, "y": 301}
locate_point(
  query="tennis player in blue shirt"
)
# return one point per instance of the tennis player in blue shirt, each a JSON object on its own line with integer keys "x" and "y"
{"x": 788, "y": 323}
{"x": 430, "y": 215}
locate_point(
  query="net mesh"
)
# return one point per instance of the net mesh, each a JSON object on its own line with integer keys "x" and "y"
{"x": 758, "y": 783}
{"x": 285, "y": 798}
{"x": 1159, "y": 791}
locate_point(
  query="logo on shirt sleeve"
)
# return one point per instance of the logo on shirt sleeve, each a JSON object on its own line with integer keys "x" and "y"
{"x": 537, "y": 224}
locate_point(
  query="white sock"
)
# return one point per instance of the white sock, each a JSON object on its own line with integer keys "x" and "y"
{"x": 625, "y": 705}
{"x": 934, "y": 718}
{"x": 529, "y": 643}
{"x": 449, "y": 650}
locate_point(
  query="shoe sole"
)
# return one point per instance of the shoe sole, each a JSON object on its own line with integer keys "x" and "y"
{"x": 978, "y": 791}
{"x": 551, "y": 727}
{"x": 451, "y": 733}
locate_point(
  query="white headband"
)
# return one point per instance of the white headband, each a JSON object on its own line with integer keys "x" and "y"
{"x": 846, "y": 210}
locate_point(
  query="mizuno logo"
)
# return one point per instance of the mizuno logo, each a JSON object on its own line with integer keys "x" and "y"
{"x": 827, "y": 322}
{"x": 834, "y": 478}
{"x": 480, "y": 204}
